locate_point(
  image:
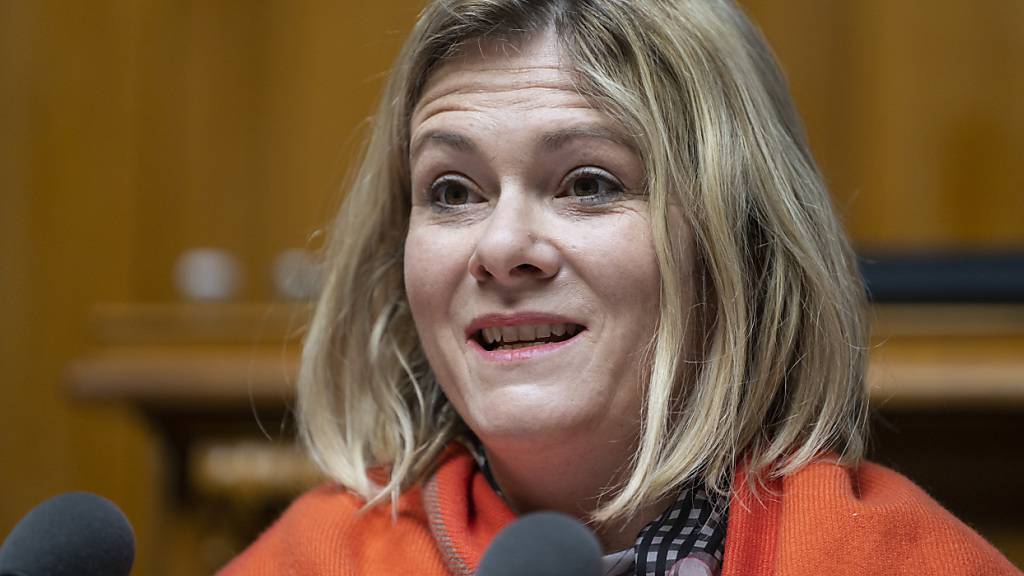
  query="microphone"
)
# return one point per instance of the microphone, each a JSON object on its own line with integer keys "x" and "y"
{"x": 543, "y": 544}
{"x": 74, "y": 533}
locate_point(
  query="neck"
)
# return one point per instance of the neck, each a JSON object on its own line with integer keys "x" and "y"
{"x": 569, "y": 477}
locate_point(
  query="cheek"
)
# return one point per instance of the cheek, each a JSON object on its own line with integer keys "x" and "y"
{"x": 433, "y": 269}
{"x": 622, "y": 266}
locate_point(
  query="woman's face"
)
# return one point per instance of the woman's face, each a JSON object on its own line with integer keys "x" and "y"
{"x": 529, "y": 264}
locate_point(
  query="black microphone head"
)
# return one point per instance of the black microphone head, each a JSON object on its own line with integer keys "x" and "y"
{"x": 543, "y": 544}
{"x": 75, "y": 533}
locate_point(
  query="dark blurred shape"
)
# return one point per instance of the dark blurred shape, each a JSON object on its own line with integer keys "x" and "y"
{"x": 988, "y": 278}
{"x": 71, "y": 534}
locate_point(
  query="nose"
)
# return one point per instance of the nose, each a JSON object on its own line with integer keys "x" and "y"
{"x": 513, "y": 249}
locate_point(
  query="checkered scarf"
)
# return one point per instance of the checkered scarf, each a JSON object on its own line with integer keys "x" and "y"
{"x": 688, "y": 539}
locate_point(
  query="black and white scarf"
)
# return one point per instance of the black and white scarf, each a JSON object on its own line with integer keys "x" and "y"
{"x": 688, "y": 539}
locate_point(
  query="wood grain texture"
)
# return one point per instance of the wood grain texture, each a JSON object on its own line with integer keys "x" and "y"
{"x": 130, "y": 132}
{"x": 915, "y": 111}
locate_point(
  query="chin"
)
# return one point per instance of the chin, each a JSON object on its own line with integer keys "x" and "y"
{"x": 530, "y": 421}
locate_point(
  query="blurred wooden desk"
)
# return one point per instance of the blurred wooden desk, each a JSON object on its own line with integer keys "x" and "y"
{"x": 947, "y": 357}
{"x": 946, "y": 382}
{"x": 923, "y": 357}
{"x": 214, "y": 384}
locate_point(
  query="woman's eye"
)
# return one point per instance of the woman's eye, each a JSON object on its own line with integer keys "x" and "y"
{"x": 592, "y": 186}
{"x": 451, "y": 192}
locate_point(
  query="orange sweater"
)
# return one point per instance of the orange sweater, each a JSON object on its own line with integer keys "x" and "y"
{"x": 826, "y": 519}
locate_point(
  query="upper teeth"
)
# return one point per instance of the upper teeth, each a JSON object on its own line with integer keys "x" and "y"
{"x": 524, "y": 333}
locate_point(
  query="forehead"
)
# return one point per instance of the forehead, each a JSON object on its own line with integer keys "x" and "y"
{"x": 500, "y": 74}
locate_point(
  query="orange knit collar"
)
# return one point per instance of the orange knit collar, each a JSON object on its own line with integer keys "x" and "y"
{"x": 465, "y": 513}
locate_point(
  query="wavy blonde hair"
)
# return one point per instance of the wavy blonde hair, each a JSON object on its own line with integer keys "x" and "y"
{"x": 776, "y": 375}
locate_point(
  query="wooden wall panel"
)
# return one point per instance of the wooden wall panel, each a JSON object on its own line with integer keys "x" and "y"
{"x": 914, "y": 110}
{"x": 200, "y": 133}
{"x": 68, "y": 214}
{"x": 15, "y": 287}
{"x": 129, "y": 132}
{"x": 817, "y": 47}
{"x": 248, "y": 115}
{"x": 331, "y": 60}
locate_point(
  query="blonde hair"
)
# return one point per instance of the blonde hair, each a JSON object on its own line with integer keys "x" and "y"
{"x": 769, "y": 368}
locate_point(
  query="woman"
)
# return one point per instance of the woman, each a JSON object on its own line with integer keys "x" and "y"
{"x": 588, "y": 265}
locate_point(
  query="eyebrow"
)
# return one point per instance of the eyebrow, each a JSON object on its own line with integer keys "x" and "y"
{"x": 550, "y": 141}
{"x": 452, "y": 140}
{"x": 555, "y": 139}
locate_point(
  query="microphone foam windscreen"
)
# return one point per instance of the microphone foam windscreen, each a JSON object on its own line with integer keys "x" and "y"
{"x": 543, "y": 544}
{"x": 74, "y": 533}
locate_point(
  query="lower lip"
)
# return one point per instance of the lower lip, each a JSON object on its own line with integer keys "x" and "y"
{"x": 520, "y": 354}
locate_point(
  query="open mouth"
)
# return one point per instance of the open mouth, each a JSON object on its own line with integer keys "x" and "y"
{"x": 524, "y": 336}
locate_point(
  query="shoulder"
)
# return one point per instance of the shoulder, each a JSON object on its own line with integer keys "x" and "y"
{"x": 869, "y": 518}
{"x": 328, "y": 531}
{"x": 865, "y": 493}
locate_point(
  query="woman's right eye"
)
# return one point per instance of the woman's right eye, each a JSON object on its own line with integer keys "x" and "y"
{"x": 450, "y": 192}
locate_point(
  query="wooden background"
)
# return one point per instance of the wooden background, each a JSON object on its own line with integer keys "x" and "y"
{"x": 132, "y": 130}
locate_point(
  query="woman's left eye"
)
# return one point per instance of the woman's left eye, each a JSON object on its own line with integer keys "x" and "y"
{"x": 591, "y": 186}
